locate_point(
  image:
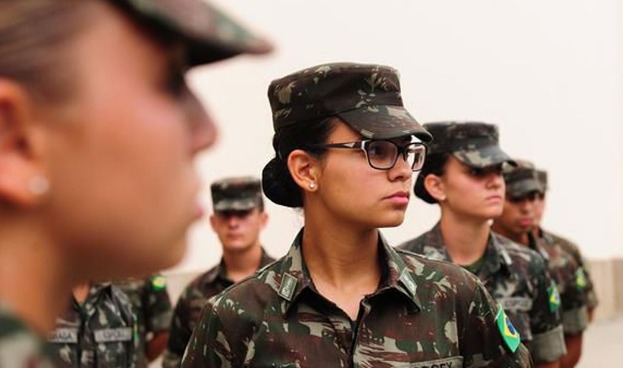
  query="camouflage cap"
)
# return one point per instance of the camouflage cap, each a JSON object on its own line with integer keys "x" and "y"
{"x": 236, "y": 193}
{"x": 366, "y": 97}
{"x": 522, "y": 179}
{"x": 211, "y": 34}
{"x": 473, "y": 143}
{"x": 542, "y": 176}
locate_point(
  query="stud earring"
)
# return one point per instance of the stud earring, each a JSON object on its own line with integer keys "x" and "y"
{"x": 38, "y": 185}
{"x": 312, "y": 185}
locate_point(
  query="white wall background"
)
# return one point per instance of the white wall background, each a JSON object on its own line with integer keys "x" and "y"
{"x": 549, "y": 73}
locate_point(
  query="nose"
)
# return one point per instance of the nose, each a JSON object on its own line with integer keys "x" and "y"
{"x": 495, "y": 180}
{"x": 203, "y": 131}
{"x": 401, "y": 170}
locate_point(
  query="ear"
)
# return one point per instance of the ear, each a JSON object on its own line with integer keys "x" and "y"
{"x": 21, "y": 147}
{"x": 435, "y": 187}
{"x": 304, "y": 169}
{"x": 263, "y": 219}
{"x": 213, "y": 220}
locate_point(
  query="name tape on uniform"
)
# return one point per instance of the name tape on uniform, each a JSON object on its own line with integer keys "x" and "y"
{"x": 113, "y": 334}
{"x": 64, "y": 336}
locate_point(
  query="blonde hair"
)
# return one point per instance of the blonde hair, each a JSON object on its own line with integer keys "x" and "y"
{"x": 34, "y": 35}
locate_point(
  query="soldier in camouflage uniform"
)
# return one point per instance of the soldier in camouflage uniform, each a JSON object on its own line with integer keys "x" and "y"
{"x": 345, "y": 150}
{"x": 97, "y": 150}
{"x": 152, "y": 307}
{"x": 238, "y": 219}
{"x": 584, "y": 276}
{"x": 97, "y": 330}
{"x": 463, "y": 174}
{"x": 522, "y": 192}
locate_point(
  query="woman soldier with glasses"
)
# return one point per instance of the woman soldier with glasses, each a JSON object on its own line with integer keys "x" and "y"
{"x": 345, "y": 150}
{"x": 463, "y": 174}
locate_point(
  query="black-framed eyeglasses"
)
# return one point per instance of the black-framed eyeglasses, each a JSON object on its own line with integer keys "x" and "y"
{"x": 383, "y": 154}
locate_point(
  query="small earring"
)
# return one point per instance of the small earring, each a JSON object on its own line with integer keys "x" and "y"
{"x": 312, "y": 185}
{"x": 38, "y": 185}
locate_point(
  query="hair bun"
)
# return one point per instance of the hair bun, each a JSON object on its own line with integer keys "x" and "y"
{"x": 278, "y": 185}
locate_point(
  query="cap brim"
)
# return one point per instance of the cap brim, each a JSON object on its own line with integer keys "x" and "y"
{"x": 482, "y": 157}
{"x": 235, "y": 205}
{"x": 211, "y": 34}
{"x": 384, "y": 122}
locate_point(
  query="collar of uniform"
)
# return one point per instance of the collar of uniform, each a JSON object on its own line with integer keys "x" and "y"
{"x": 546, "y": 236}
{"x": 95, "y": 291}
{"x": 220, "y": 270}
{"x": 396, "y": 274}
{"x": 536, "y": 245}
{"x": 293, "y": 277}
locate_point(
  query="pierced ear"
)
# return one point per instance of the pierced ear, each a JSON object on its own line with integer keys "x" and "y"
{"x": 303, "y": 169}
{"x": 21, "y": 142}
{"x": 434, "y": 186}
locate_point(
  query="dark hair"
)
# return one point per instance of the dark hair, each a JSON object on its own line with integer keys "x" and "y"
{"x": 434, "y": 165}
{"x": 277, "y": 182}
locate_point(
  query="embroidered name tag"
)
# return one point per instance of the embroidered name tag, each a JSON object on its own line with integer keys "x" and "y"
{"x": 64, "y": 336}
{"x": 452, "y": 362}
{"x": 516, "y": 303}
{"x": 113, "y": 334}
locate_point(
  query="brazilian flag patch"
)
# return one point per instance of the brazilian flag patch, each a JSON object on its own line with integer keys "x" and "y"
{"x": 580, "y": 278}
{"x": 507, "y": 330}
{"x": 158, "y": 283}
{"x": 553, "y": 297}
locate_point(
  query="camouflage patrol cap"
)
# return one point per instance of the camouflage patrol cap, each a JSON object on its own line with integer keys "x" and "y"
{"x": 211, "y": 34}
{"x": 366, "y": 97}
{"x": 522, "y": 179}
{"x": 473, "y": 143}
{"x": 236, "y": 193}
{"x": 542, "y": 176}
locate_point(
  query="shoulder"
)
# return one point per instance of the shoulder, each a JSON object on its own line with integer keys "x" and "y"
{"x": 520, "y": 255}
{"x": 417, "y": 244}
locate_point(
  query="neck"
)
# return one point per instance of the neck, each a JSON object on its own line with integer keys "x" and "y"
{"x": 465, "y": 239}
{"x": 34, "y": 283}
{"x": 338, "y": 255}
{"x": 242, "y": 264}
{"x": 521, "y": 238}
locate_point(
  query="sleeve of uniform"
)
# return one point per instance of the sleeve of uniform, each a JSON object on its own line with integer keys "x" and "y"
{"x": 157, "y": 305}
{"x": 179, "y": 333}
{"x": 574, "y": 299}
{"x": 209, "y": 344}
{"x": 489, "y": 340}
{"x": 548, "y": 343}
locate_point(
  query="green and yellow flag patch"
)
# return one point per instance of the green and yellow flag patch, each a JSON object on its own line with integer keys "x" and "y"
{"x": 554, "y": 297}
{"x": 507, "y": 330}
{"x": 158, "y": 282}
{"x": 580, "y": 278}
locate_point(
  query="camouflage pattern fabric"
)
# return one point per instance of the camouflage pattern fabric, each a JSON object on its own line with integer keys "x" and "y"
{"x": 237, "y": 194}
{"x": 583, "y": 272}
{"x": 188, "y": 308}
{"x": 19, "y": 345}
{"x": 101, "y": 332}
{"x": 211, "y": 35}
{"x": 522, "y": 179}
{"x": 152, "y": 308}
{"x": 473, "y": 143}
{"x": 570, "y": 281}
{"x": 424, "y": 314}
{"x": 366, "y": 97}
{"x": 518, "y": 279}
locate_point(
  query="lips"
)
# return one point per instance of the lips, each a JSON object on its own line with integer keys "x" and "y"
{"x": 400, "y": 197}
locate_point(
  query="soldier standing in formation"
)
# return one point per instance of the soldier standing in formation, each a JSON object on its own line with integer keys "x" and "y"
{"x": 96, "y": 152}
{"x": 238, "y": 220}
{"x": 517, "y": 222}
{"x": 463, "y": 174}
{"x": 152, "y": 307}
{"x": 342, "y": 297}
{"x": 98, "y": 330}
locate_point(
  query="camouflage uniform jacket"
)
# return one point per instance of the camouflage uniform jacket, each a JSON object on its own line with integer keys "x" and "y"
{"x": 571, "y": 282}
{"x": 20, "y": 347}
{"x": 188, "y": 308}
{"x": 152, "y": 307}
{"x": 573, "y": 249}
{"x": 424, "y": 314}
{"x": 518, "y": 279}
{"x": 100, "y": 332}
